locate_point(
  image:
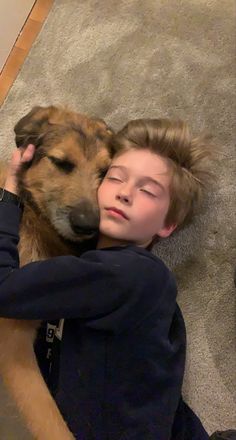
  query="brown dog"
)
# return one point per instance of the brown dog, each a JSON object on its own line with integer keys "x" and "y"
{"x": 60, "y": 217}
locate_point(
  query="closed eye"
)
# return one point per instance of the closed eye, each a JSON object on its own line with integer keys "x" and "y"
{"x": 148, "y": 192}
{"x": 64, "y": 165}
{"x": 144, "y": 190}
{"x": 114, "y": 178}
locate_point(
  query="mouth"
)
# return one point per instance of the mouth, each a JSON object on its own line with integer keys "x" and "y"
{"x": 86, "y": 232}
{"x": 117, "y": 212}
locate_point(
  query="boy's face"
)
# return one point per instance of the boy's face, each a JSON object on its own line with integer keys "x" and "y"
{"x": 137, "y": 183}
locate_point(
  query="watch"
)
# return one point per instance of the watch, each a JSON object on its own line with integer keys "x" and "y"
{"x": 9, "y": 197}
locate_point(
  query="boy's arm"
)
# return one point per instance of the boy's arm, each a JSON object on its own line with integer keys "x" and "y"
{"x": 98, "y": 286}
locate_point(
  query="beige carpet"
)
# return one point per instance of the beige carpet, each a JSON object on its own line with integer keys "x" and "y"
{"x": 122, "y": 59}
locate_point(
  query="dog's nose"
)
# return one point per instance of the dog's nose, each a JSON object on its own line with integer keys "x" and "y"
{"x": 84, "y": 218}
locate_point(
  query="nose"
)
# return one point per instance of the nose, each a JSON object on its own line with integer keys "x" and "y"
{"x": 84, "y": 218}
{"x": 125, "y": 194}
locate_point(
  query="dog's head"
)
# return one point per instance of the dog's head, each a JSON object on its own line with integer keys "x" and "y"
{"x": 72, "y": 155}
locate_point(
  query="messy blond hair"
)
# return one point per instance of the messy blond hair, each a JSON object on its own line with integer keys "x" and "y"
{"x": 188, "y": 158}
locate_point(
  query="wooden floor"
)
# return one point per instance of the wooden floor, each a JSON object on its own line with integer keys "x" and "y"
{"x": 22, "y": 45}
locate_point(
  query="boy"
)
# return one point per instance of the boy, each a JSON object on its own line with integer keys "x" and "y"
{"x": 122, "y": 353}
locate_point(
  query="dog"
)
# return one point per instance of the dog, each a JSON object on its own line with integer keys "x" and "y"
{"x": 60, "y": 217}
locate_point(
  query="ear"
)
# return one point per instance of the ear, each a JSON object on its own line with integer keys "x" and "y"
{"x": 31, "y": 128}
{"x": 103, "y": 125}
{"x": 166, "y": 231}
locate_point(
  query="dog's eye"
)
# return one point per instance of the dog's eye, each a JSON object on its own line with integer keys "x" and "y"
{"x": 64, "y": 165}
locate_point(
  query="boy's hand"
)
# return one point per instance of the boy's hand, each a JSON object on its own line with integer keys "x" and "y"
{"x": 19, "y": 156}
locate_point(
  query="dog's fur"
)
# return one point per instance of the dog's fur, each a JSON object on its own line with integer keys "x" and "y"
{"x": 60, "y": 217}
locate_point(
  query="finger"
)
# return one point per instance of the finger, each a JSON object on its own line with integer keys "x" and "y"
{"x": 16, "y": 158}
{"x": 14, "y": 162}
{"x": 28, "y": 154}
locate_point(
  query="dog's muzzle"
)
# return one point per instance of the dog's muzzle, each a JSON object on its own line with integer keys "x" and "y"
{"x": 84, "y": 218}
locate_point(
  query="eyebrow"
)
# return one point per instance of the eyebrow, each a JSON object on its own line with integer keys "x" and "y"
{"x": 143, "y": 178}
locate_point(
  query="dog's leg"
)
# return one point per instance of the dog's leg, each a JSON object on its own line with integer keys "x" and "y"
{"x": 22, "y": 377}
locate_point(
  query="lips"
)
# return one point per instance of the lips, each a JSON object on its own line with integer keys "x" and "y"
{"x": 118, "y": 211}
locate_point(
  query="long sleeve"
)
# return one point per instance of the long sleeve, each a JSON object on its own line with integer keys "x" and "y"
{"x": 101, "y": 286}
{"x": 129, "y": 382}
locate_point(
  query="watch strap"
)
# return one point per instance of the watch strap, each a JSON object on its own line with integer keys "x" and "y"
{"x": 9, "y": 197}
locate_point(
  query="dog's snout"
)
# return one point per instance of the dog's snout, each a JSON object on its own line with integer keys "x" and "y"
{"x": 84, "y": 218}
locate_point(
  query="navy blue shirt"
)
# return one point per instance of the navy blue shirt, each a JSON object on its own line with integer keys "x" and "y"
{"x": 118, "y": 371}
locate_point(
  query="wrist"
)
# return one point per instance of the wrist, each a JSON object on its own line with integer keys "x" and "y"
{"x": 11, "y": 186}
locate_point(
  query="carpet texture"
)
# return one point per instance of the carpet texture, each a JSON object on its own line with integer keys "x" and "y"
{"x": 121, "y": 60}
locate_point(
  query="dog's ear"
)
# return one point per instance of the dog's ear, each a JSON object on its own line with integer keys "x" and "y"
{"x": 32, "y": 127}
{"x": 103, "y": 125}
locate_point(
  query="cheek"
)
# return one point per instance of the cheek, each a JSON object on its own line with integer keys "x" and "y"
{"x": 151, "y": 213}
{"x": 101, "y": 192}
{"x": 144, "y": 212}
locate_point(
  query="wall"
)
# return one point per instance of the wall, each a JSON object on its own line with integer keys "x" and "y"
{"x": 13, "y": 14}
